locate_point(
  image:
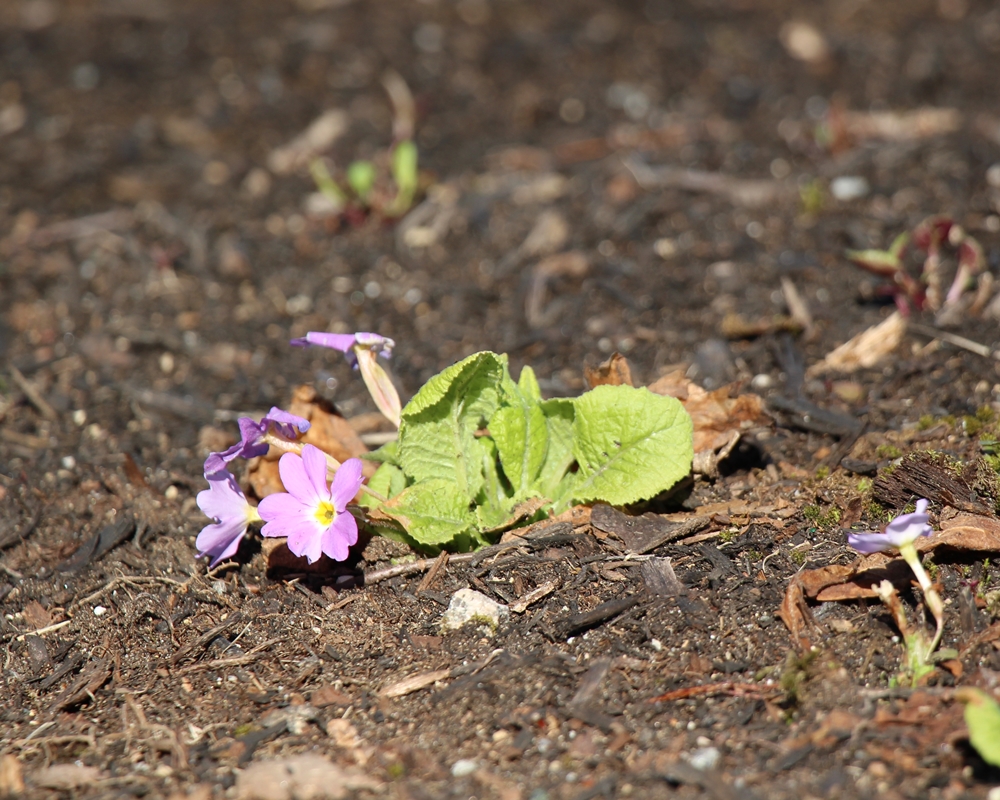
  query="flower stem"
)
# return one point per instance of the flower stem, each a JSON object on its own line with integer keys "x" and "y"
{"x": 931, "y": 598}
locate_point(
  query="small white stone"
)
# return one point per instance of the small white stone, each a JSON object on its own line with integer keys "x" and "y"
{"x": 761, "y": 381}
{"x": 656, "y": 644}
{"x": 463, "y": 767}
{"x": 100, "y": 611}
{"x": 705, "y": 759}
{"x": 68, "y": 462}
{"x": 79, "y": 416}
{"x": 471, "y": 606}
{"x": 849, "y": 187}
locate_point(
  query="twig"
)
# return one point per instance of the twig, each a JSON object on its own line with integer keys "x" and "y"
{"x": 43, "y": 631}
{"x": 726, "y": 687}
{"x": 439, "y": 564}
{"x": 232, "y": 661}
{"x": 958, "y": 341}
{"x": 32, "y": 394}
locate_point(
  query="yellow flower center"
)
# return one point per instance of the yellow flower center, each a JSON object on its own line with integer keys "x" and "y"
{"x": 325, "y": 513}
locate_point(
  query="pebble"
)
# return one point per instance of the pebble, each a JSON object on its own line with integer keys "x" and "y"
{"x": 849, "y": 187}
{"x": 471, "y": 606}
{"x": 463, "y": 767}
{"x": 705, "y": 759}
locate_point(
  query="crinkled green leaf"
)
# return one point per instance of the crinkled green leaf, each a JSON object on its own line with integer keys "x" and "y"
{"x": 559, "y": 455}
{"x": 386, "y": 454}
{"x": 433, "y": 512}
{"x": 388, "y": 481}
{"x": 494, "y": 502}
{"x": 982, "y": 716}
{"x": 521, "y": 435}
{"x": 528, "y": 384}
{"x": 630, "y": 444}
{"x": 437, "y": 433}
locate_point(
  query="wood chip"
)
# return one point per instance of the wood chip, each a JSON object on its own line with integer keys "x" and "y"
{"x": 532, "y": 597}
{"x": 414, "y": 683}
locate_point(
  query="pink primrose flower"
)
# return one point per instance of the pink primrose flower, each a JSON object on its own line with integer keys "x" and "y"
{"x": 310, "y": 513}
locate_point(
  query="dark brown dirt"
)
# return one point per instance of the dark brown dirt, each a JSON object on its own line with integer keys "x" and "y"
{"x": 131, "y": 342}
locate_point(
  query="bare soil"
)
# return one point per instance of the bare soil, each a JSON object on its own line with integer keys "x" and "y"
{"x": 130, "y": 342}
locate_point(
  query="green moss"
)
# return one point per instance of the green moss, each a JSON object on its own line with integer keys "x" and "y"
{"x": 799, "y": 556}
{"x": 865, "y": 485}
{"x": 242, "y": 730}
{"x": 926, "y": 422}
{"x": 884, "y": 451}
{"x": 933, "y": 570}
{"x": 395, "y": 770}
{"x": 985, "y": 414}
{"x": 822, "y": 473}
{"x": 794, "y": 674}
{"x": 822, "y": 519}
{"x": 972, "y": 426}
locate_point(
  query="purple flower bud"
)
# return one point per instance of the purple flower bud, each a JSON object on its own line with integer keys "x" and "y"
{"x": 346, "y": 343}
{"x": 251, "y": 443}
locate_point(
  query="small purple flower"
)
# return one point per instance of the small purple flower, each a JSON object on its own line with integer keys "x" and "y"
{"x": 311, "y": 514}
{"x": 902, "y": 532}
{"x": 347, "y": 343}
{"x": 227, "y": 505}
{"x": 252, "y": 435}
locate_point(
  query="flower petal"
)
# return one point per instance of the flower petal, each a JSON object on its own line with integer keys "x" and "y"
{"x": 306, "y": 543}
{"x": 223, "y": 497}
{"x": 870, "y": 542}
{"x": 342, "y": 533}
{"x": 314, "y": 461}
{"x": 286, "y": 423}
{"x": 296, "y": 481}
{"x": 346, "y": 483}
{"x": 221, "y": 540}
{"x": 282, "y": 505}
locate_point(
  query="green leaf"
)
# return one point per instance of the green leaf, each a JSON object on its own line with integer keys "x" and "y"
{"x": 982, "y": 716}
{"x": 433, "y": 512}
{"x": 388, "y": 481}
{"x": 559, "y": 457}
{"x": 493, "y": 503}
{"x": 361, "y": 178}
{"x": 386, "y": 454}
{"x": 528, "y": 384}
{"x": 630, "y": 444}
{"x": 521, "y": 435}
{"x": 406, "y": 176}
{"x": 437, "y": 433}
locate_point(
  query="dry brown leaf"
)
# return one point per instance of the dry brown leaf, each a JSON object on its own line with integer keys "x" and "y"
{"x": 613, "y": 372}
{"x": 965, "y": 532}
{"x": 329, "y": 431}
{"x": 36, "y": 615}
{"x": 715, "y": 414}
{"x": 797, "y": 617}
{"x": 866, "y": 349}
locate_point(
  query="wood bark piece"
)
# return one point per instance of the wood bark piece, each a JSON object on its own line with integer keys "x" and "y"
{"x": 577, "y": 623}
{"x": 937, "y": 477}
